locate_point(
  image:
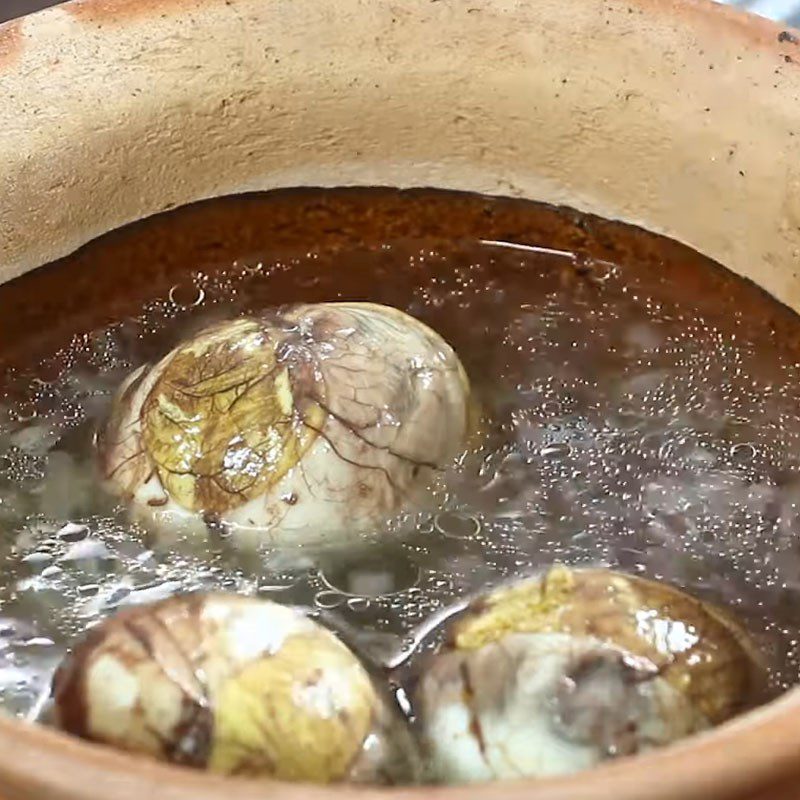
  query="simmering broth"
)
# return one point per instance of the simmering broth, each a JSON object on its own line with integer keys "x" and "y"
{"x": 639, "y": 411}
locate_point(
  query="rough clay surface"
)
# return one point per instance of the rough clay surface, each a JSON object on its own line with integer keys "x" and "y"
{"x": 171, "y": 100}
{"x": 114, "y": 110}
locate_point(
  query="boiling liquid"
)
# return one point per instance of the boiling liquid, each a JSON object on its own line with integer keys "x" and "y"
{"x": 640, "y": 408}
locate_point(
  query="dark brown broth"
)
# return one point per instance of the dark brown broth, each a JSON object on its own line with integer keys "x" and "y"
{"x": 640, "y": 400}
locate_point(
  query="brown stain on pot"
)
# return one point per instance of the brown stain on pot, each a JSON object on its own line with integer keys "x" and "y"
{"x": 727, "y": 23}
{"x": 752, "y": 28}
{"x": 123, "y": 11}
{"x": 12, "y": 43}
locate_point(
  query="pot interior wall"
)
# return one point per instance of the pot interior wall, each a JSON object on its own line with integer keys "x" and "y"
{"x": 630, "y": 110}
{"x": 117, "y": 109}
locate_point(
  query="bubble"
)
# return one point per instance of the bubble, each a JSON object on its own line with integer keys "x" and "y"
{"x": 153, "y": 593}
{"x": 86, "y": 550}
{"x": 358, "y": 603}
{"x": 551, "y": 408}
{"x": 375, "y": 574}
{"x": 743, "y": 453}
{"x": 52, "y": 571}
{"x": 252, "y": 269}
{"x": 186, "y": 295}
{"x": 328, "y": 599}
{"x": 457, "y": 526}
{"x": 37, "y": 559}
{"x": 72, "y": 532}
{"x": 24, "y": 412}
{"x": 557, "y": 450}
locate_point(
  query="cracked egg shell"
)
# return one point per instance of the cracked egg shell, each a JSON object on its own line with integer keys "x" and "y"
{"x": 556, "y": 674}
{"x": 234, "y": 685}
{"x": 537, "y": 705}
{"x": 308, "y": 424}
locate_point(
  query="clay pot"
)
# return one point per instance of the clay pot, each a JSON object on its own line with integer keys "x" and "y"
{"x": 681, "y": 116}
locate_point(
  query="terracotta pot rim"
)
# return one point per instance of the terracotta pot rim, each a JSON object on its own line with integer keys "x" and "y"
{"x": 766, "y": 741}
{"x": 754, "y": 28}
{"x": 751, "y": 751}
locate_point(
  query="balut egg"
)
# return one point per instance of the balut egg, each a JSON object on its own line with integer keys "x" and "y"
{"x": 554, "y": 675}
{"x": 311, "y": 423}
{"x": 234, "y": 685}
